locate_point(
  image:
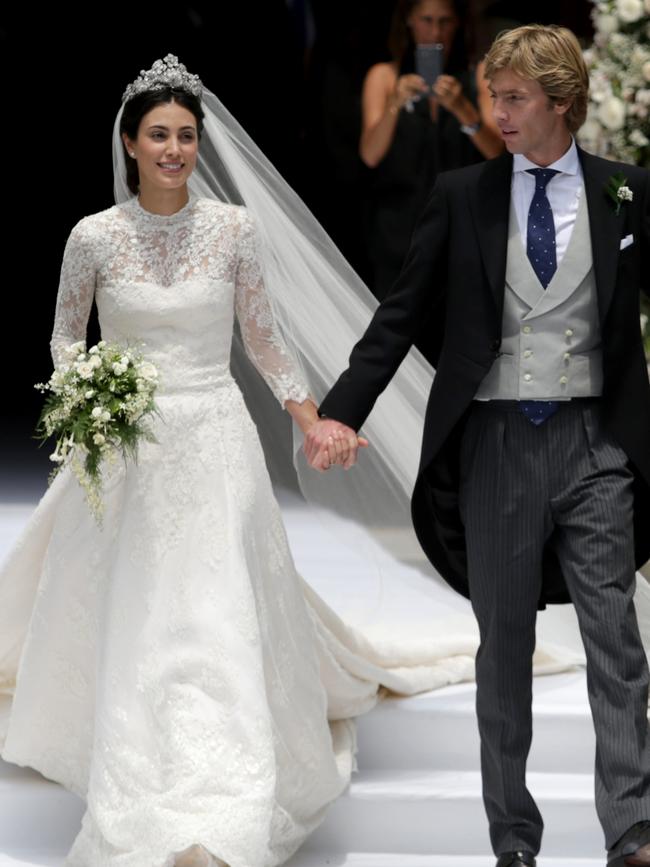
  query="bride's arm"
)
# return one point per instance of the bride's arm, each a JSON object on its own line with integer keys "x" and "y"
{"x": 75, "y": 293}
{"x": 268, "y": 351}
{"x": 262, "y": 339}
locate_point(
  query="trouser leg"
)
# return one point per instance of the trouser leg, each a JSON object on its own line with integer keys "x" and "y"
{"x": 506, "y": 519}
{"x": 592, "y": 511}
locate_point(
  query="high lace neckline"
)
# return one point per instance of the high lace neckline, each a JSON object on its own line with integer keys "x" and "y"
{"x": 165, "y": 219}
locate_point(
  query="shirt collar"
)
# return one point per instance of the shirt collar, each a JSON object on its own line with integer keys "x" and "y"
{"x": 569, "y": 163}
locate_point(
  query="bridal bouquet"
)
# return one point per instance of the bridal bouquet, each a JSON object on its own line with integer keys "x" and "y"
{"x": 96, "y": 407}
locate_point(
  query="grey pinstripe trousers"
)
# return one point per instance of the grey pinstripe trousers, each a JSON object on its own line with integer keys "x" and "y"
{"x": 565, "y": 481}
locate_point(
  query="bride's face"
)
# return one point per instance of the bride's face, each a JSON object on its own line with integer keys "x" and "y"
{"x": 166, "y": 147}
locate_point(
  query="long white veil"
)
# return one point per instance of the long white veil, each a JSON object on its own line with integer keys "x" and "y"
{"x": 322, "y": 308}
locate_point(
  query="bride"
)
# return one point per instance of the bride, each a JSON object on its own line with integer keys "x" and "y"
{"x": 173, "y": 669}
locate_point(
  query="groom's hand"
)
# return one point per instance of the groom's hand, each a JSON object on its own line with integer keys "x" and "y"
{"x": 329, "y": 442}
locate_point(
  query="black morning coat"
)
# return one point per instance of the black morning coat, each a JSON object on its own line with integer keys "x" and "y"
{"x": 454, "y": 280}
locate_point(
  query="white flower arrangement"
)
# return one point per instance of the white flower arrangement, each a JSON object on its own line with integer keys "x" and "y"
{"x": 97, "y": 405}
{"x": 618, "y": 118}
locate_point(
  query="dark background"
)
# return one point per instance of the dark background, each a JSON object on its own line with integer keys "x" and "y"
{"x": 291, "y": 76}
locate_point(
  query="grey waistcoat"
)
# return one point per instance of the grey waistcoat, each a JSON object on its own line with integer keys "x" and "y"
{"x": 550, "y": 345}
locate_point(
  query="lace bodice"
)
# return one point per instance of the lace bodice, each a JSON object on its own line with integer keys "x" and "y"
{"x": 174, "y": 283}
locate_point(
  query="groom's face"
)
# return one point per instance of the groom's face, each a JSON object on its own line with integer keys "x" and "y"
{"x": 529, "y": 122}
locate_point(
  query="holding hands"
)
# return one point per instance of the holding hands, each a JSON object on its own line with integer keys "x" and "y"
{"x": 329, "y": 442}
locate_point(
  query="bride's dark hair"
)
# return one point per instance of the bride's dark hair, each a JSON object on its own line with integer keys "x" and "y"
{"x": 136, "y": 108}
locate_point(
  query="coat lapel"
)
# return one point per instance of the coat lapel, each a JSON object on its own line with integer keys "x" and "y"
{"x": 490, "y": 205}
{"x": 519, "y": 272}
{"x": 606, "y": 227}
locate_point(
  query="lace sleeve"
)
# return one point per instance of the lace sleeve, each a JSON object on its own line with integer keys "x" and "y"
{"x": 262, "y": 340}
{"x": 75, "y": 294}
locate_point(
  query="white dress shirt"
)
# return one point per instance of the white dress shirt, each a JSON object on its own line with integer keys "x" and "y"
{"x": 563, "y": 192}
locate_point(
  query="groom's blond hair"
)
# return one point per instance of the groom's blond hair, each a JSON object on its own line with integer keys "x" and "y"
{"x": 550, "y": 55}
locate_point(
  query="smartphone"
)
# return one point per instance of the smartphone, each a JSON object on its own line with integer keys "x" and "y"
{"x": 428, "y": 62}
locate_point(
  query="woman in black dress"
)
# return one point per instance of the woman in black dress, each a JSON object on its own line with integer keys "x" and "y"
{"x": 408, "y": 136}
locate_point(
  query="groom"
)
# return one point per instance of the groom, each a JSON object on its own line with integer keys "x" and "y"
{"x": 534, "y": 479}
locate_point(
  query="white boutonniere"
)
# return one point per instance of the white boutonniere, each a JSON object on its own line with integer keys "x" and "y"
{"x": 618, "y": 191}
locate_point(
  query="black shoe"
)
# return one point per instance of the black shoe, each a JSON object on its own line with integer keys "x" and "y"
{"x": 633, "y": 847}
{"x": 521, "y": 858}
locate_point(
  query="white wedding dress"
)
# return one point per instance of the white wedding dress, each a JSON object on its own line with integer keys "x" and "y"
{"x": 172, "y": 668}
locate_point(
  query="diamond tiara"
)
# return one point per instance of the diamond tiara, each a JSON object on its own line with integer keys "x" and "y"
{"x": 164, "y": 73}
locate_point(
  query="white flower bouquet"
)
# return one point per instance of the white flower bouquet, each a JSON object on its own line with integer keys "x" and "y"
{"x": 96, "y": 407}
{"x": 618, "y": 120}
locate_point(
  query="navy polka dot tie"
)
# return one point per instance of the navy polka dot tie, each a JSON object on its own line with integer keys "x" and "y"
{"x": 538, "y": 411}
{"x": 540, "y": 247}
{"x": 540, "y": 244}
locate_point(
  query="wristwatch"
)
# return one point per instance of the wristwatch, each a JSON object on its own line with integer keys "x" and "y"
{"x": 470, "y": 128}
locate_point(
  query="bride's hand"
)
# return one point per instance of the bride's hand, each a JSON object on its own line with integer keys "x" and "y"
{"x": 329, "y": 442}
